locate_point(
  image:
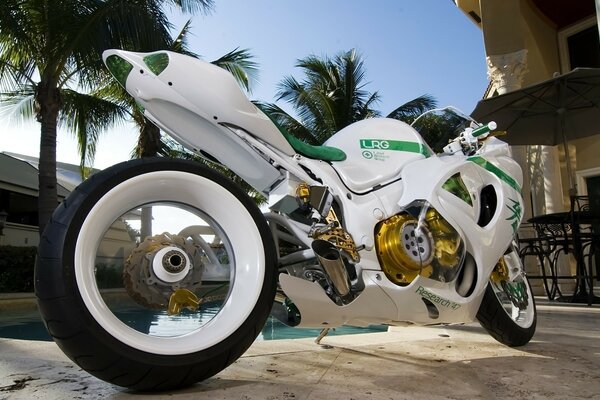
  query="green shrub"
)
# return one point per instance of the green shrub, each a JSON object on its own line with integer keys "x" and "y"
{"x": 109, "y": 276}
{"x": 16, "y": 269}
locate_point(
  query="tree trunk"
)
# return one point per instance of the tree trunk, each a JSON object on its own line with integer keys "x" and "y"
{"x": 149, "y": 144}
{"x": 48, "y": 104}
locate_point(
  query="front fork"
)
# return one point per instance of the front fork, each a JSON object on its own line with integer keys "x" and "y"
{"x": 509, "y": 274}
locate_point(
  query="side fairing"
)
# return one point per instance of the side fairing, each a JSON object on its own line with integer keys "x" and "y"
{"x": 377, "y": 149}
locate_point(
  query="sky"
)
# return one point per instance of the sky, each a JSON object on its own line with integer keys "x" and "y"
{"x": 409, "y": 48}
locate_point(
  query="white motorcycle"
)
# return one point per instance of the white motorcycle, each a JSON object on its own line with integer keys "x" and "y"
{"x": 158, "y": 273}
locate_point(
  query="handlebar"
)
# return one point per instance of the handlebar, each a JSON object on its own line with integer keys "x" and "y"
{"x": 484, "y": 129}
{"x": 468, "y": 141}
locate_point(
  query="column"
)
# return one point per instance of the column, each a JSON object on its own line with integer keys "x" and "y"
{"x": 507, "y": 71}
{"x": 553, "y": 193}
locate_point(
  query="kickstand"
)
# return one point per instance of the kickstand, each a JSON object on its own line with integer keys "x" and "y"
{"x": 323, "y": 333}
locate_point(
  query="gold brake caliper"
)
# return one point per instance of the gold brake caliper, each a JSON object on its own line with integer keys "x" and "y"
{"x": 183, "y": 298}
{"x": 516, "y": 291}
{"x": 500, "y": 272}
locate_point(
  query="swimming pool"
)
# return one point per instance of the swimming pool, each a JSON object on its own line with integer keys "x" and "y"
{"x": 27, "y": 325}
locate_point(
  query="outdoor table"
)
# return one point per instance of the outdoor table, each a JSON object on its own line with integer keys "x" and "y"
{"x": 570, "y": 235}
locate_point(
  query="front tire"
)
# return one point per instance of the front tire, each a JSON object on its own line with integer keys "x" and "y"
{"x": 103, "y": 297}
{"x": 508, "y": 311}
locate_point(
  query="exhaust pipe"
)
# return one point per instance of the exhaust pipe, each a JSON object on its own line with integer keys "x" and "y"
{"x": 331, "y": 260}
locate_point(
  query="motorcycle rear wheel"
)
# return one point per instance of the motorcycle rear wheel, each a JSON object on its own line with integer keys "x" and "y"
{"x": 508, "y": 311}
{"x": 123, "y": 335}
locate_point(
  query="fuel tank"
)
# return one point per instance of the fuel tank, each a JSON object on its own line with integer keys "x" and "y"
{"x": 377, "y": 149}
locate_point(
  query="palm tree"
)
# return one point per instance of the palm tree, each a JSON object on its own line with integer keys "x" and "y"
{"x": 50, "y": 60}
{"x": 332, "y": 96}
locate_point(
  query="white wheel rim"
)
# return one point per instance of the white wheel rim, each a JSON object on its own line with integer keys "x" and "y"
{"x": 213, "y": 200}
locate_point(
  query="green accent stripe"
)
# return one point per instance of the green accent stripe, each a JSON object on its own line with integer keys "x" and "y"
{"x": 485, "y": 164}
{"x": 394, "y": 145}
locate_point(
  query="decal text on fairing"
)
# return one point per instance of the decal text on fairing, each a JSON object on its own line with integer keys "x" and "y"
{"x": 434, "y": 298}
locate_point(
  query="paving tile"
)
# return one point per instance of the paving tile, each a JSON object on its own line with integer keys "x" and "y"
{"x": 449, "y": 362}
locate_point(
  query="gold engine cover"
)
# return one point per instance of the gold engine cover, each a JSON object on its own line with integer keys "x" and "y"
{"x": 407, "y": 249}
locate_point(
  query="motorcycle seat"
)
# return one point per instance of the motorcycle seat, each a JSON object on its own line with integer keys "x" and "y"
{"x": 323, "y": 153}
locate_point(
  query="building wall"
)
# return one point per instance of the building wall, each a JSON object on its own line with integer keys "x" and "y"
{"x": 114, "y": 249}
{"x": 19, "y": 235}
{"x": 588, "y": 152}
{"x": 540, "y": 39}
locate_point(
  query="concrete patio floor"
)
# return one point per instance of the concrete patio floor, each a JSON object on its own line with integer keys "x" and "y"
{"x": 458, "y": 362}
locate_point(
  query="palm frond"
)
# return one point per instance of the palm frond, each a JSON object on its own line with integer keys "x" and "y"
{"x": 14, "y": 76}
{"x": 87, "y": 116}
{"x": 289, "y": 123}
{"x": 20, "y": 38}
{"x": 408, "y": 111}
{"x": 17, "y": 107}
{"x": 332, "y": 95}
{"x": 240, "y": 64}
{"x": 365, "y": 111}
{"x": 180, "y": 44}
{"x": 194, "y": 6}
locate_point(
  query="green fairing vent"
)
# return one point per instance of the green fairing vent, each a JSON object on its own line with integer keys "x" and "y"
{"x": 119, "y": 67}
{"x": 324, "y": 153}
{"x": 157, "y": 62}
{"x": 457, "y": 187}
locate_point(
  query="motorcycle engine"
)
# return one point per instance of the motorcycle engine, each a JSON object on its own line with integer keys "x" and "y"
{"x": 423, "y": 243}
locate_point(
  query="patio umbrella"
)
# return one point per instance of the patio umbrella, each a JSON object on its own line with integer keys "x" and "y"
{"x": 549, "y": 113}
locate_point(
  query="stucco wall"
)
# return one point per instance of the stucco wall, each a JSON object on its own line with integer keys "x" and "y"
{"x": 588, "y": 152}
{"x": 541, "y": 43}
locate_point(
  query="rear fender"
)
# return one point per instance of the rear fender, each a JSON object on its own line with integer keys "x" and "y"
{"x": 194, "y": 101}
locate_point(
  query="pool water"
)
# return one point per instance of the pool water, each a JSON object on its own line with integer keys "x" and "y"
{"x": 27, "y": 325}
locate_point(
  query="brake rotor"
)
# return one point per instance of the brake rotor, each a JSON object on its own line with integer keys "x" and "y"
{"x": 159, "y": 266}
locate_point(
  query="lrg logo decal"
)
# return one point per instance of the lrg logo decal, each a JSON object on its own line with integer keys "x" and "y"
{"x": 374, "y": 144}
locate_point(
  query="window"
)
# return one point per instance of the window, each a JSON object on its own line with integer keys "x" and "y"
{"x": 579, "y": 45}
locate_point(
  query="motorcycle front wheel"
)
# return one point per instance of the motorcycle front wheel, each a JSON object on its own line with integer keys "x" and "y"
{"x": 155, "y": 274}
{"x": 507, "y": 311}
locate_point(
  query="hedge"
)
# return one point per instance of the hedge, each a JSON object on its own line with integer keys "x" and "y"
{"x": 16, "y": 268}
{"x": 16, "y": 271}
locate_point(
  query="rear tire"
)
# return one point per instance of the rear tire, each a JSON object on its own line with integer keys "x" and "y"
{"x": 508, "y": 317}
{"x": 79, "y": 314}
